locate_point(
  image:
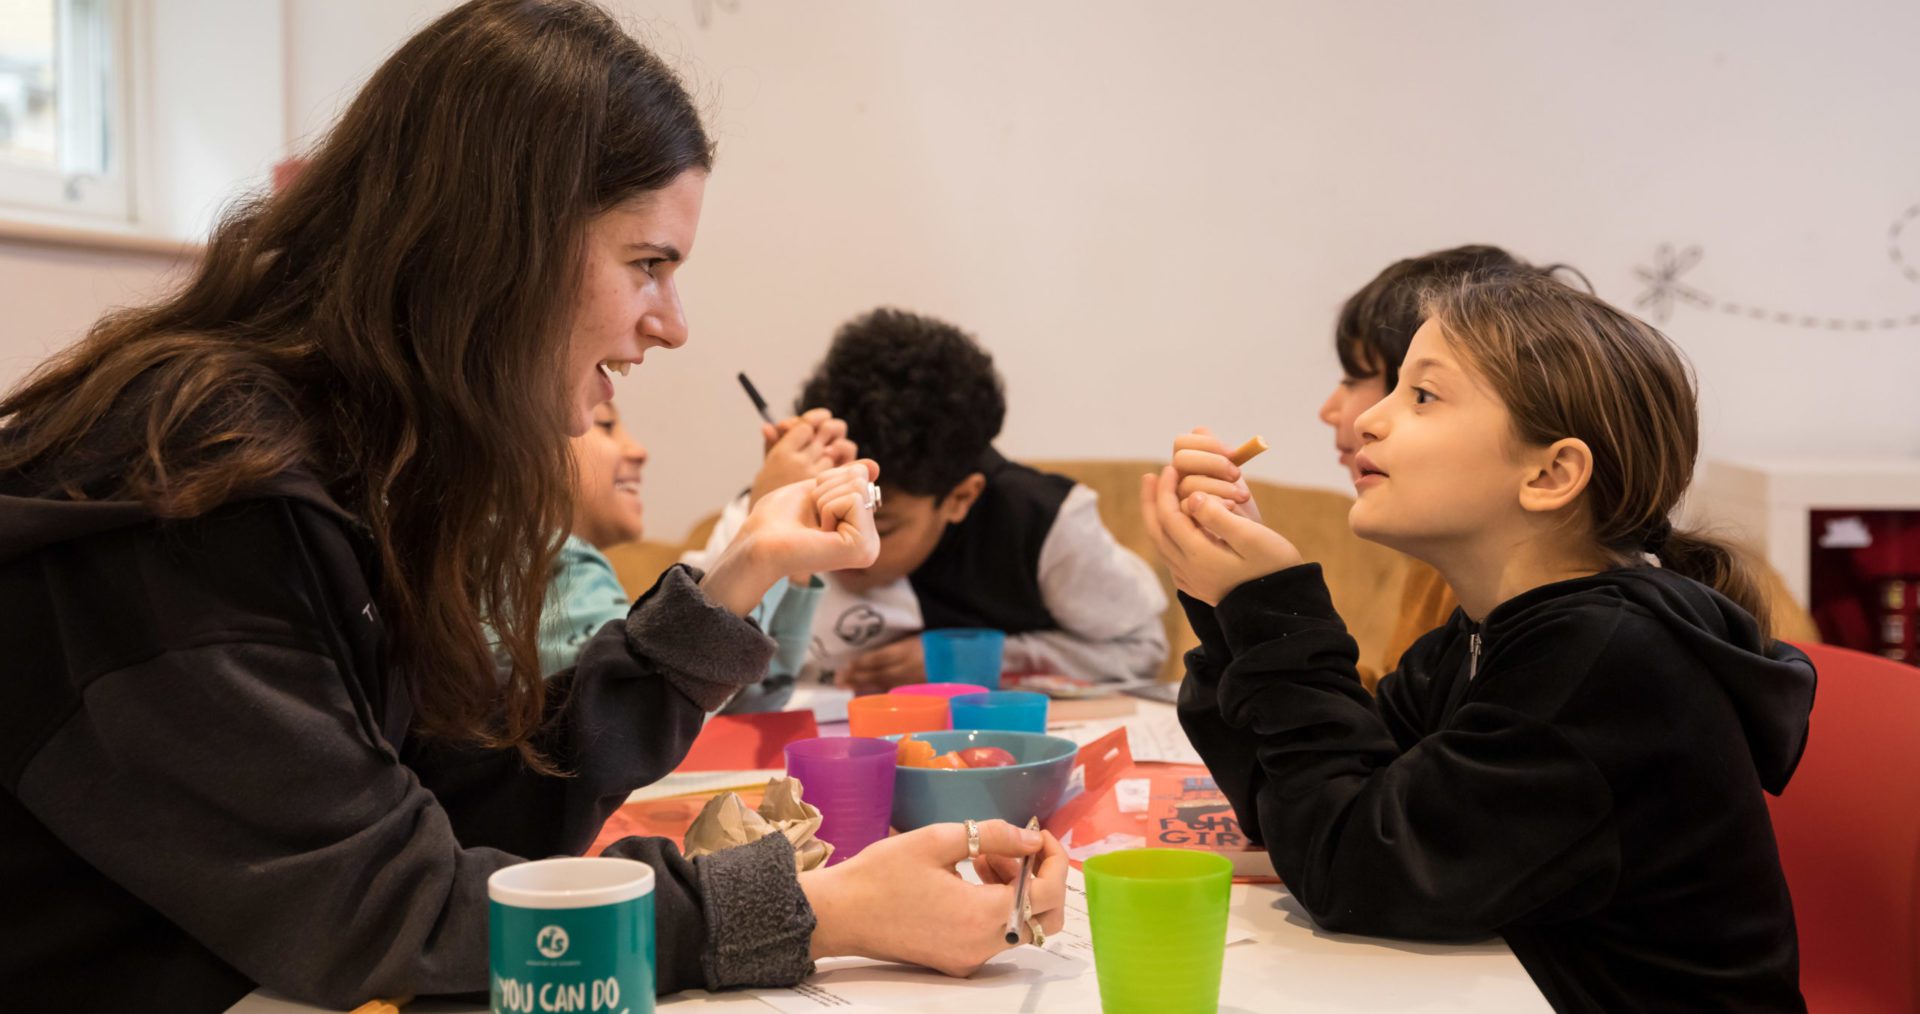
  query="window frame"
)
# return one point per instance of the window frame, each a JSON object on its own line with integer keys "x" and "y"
{"x": 69, "y": 192}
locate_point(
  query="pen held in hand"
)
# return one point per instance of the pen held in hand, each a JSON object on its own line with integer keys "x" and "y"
{"x": 1020, "y": 902}
{"x": 759, "y": 403}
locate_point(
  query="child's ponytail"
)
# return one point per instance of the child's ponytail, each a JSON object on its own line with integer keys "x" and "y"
{"x": 1720, "y": 565}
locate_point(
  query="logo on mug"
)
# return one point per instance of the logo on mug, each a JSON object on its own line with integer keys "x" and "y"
{"x": 552, "y": 941}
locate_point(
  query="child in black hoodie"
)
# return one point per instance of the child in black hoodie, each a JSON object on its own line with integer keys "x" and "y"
{"x": 1575, "y": 760}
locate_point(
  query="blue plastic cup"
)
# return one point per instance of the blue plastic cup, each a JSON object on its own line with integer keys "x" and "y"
{"x": 1009, "y": 710}
{"x": 963, "y": 655}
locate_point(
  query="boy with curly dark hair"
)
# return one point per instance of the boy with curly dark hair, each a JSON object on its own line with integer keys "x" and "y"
{"x": 967, "y": 538}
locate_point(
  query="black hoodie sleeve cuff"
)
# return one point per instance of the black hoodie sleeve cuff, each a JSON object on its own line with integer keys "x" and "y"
{"x": 1275, "y": 607}
{"x": 760, "y": 924}
{"x": 706, "y": 652}
{"x": 1207, "y": 629}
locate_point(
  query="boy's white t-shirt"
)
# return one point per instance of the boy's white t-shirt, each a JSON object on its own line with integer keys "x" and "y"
{"x": 1106, "y": 599}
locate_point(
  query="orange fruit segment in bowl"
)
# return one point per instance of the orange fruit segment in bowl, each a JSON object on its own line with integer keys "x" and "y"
{"x": 914, "y": 753}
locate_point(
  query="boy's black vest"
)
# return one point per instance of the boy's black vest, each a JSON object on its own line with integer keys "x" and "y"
{"x": 986, "y": 570}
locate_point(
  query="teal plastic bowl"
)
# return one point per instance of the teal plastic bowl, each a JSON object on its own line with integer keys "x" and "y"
{"x": 1029, "y": 787}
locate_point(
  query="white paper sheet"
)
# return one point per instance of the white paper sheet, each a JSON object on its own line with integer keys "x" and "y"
{"x": 1111, "y": 843}
{"x": 683, "y": 783}
{"x": 1157, "y": 736}
{"x": 1154, "y": 736}
{"x": 1023, "y": 978}
{"x": 828, "y": 703}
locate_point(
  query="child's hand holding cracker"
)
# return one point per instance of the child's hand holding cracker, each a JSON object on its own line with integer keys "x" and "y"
{"x": 1210, "y": 549}
{"x": 1205, "y": 465}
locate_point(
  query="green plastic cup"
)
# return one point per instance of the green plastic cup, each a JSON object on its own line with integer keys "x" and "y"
{"x": 1159, "y": 929}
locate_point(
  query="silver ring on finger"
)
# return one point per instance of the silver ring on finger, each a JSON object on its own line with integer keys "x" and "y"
{"x": 973, "y": 839}
{"x": 872, "y": 501}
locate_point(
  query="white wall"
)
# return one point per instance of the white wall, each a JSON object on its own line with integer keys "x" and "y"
{"x": 51, "y": 295}
{"x": 1150, "y": 215}
{"x": 211, "y": 91}
{"x": 208, "y": 96}
{"x": 1150, "y": 212}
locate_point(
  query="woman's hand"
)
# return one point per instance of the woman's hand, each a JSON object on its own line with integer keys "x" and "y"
{"x": 1204, "y": 466}
{"x": 801, "y": 448}
{"x": 1209, "y": 549}
{"x": 900, "y": 899}
{"x": 800, "y": 529}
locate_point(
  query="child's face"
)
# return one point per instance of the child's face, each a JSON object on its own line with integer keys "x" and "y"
{"x": 606, "y": 495}
{"x": 910, "y": 528}
{"x": 1352, "y": 396}
{"x": 1438, "y": 461}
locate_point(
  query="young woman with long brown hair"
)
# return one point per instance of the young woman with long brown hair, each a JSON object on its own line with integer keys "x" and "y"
{"x": 251, "y": 537}
{"x": 1576, "y": 759}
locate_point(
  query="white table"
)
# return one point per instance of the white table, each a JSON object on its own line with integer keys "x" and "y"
{"x": 1288, "y": 963}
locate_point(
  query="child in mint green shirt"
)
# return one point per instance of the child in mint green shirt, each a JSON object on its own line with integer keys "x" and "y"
{"x": 584, "y": 594}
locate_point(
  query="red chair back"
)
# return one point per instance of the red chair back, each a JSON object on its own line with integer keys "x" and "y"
{"x": 1849, "y": 833}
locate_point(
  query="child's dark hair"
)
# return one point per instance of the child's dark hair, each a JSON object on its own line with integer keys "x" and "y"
{"x": 1568, "y": 364}
{"x": 918, "y": 395}
{"x": 1377, "y": 323}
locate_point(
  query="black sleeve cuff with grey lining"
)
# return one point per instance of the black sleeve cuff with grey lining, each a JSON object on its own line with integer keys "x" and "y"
{"x": 759, "y": 924}
{"x": 704, "y": 651}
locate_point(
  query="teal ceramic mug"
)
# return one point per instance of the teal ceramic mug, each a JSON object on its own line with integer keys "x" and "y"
{"x": 572, "y": 934}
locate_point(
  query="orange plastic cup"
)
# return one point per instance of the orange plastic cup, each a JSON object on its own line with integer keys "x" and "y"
{"x": 887, "y": 714}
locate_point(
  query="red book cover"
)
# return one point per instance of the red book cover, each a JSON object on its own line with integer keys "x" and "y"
{"x": 751, "y": 742}
{"x": 1130, "y": 805}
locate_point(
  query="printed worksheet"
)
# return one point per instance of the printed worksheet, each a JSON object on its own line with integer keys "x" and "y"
{"x": 1058, "y": 977}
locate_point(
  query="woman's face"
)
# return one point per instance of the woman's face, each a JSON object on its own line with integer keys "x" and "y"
{"x": 628, "y": 301}
{"x": 606, "y": 494}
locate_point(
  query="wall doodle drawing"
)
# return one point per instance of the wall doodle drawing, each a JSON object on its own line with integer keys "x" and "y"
{"x": 1666, "y": 287}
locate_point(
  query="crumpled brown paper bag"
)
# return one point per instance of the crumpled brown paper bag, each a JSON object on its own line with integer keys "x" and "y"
{"x": 726, "y": 822}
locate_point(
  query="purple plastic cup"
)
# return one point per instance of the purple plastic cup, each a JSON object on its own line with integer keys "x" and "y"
{"x": 851, "y": 780}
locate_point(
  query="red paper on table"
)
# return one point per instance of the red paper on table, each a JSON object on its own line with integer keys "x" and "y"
{"x": 1185, "y": 810}
{"x": 662, "y": 818}
{"x": 751, "y": 742}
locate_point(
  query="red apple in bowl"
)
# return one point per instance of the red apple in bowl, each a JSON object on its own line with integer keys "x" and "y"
{"x": 986, "y": 757}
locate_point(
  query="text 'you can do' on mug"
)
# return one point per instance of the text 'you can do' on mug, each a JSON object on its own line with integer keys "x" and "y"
{"x": 572, "y": 934}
